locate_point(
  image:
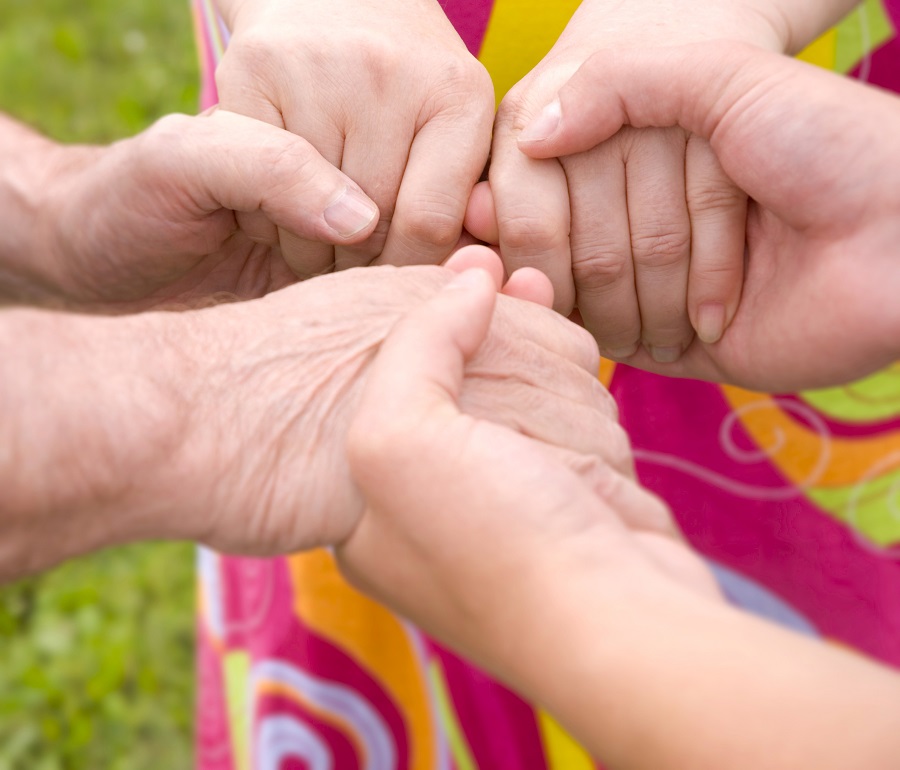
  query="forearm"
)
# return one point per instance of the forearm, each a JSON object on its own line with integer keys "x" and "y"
{"x": 26, "y": 162}
{"x": 88, "y": 436}
{"x": 663, "y": 679}
{"x": 785, "y": 26}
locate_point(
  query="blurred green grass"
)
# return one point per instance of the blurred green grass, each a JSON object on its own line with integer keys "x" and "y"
{"x": 96, "y": 657}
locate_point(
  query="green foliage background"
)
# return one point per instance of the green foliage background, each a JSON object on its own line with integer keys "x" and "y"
{"x": 96, "y": 657}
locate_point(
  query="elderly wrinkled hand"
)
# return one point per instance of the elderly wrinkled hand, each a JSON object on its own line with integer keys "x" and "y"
{"x": 228, "y": 424}
{"x": 172, "y": 214}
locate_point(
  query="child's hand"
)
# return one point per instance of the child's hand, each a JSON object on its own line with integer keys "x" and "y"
{"x": 384, "y": 90}
{"x": 644, "y": 233}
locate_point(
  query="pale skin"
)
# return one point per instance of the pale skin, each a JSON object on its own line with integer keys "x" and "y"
{"x": 166, "y": 216}
{"x": 644, "y": 233}
{"x": 568, "y": 582}
{"x": 818, "y": 154}
{"x": 226, "y": 425}
{"x": 386, "y": 91}
{"x": 216, "y": 424}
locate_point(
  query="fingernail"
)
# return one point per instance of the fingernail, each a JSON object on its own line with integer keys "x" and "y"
{"x": 710, "y": 322}
{"x": 545, "y": 125}
{"x": 619, "y": 353}
{"x": 665, "y": 355}
{"x": 351, "y": 213}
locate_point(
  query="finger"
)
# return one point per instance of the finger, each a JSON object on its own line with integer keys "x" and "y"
{"x": 601, "y": 249}
{"x": 553, "y": 420}
{"x": 472, "y": 257}
{"x": 445, "y": 161}
{"x": 239, "y": 92}
{"x": 660, "y": 239}
{"x": 219, "y": 159}
{"x": 417, "y": 376}
{"x": 530, "y": 285}
{"x": 634, "y": 506}
{"x": 734, "y": 95}
{"x": 509, "y": 361}
{"x": 376, "y": 158}
{"x": 718, "y": 211}
{"x": 481, "y": 216}
{"x": 532, "y": 205}
{"x": 548, "y": 332}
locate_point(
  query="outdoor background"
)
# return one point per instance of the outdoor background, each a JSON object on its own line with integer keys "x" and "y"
{"x": 96, "y": 658}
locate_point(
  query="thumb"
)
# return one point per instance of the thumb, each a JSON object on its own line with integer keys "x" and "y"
{"x": 230, "y": 161}
{"x": 418, "y": 372}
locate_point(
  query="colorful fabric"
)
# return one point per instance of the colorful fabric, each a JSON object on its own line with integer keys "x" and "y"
{"x": 795, "y": 499}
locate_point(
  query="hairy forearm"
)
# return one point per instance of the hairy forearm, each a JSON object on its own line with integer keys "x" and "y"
{"x": 663, "y": 679}
{"x": 88, "y": 436}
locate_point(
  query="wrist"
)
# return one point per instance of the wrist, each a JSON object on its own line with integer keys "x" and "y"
{"x": 28, "y": 164}
{"x": 94, "y": 422}
{"x": 683, "y": 22}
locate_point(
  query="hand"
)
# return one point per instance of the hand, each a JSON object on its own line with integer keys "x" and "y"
{"x": 387, "y": 92}
{"x": 818, "y": 155}
{"x": 228, "y": 424}
{"x": 566, "y": 580}
{"x": 277, "y": 381}
{"x": 170, "y": 215}
{"x": 467, "y": 520}
{"x": 643, "y": 233}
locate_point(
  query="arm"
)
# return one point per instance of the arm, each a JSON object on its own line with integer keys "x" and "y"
{"x": 93, "y": 421}
{"x": 26, "y": 170}
{"x": 664, "y": 680}
{"x": 220, "y": 425}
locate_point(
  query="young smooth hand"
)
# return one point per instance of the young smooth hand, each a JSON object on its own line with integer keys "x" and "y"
{"x": 819, "y": 156}
{"x": 386, "y": 91}
{"x": 566, "y": 580}
{"x": 644, "y": 233}
{"x": 466, "y": 519}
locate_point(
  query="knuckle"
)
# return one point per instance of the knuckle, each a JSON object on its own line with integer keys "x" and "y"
{"x": 439, "y": 228}
{"x": 714, "y": 199}
{"x": 600, "y": 269}
{"x": 662, "y": 248}
{"x": 531, "y": 231}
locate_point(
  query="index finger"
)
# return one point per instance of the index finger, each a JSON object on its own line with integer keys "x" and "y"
{"x": 531, "y": 198}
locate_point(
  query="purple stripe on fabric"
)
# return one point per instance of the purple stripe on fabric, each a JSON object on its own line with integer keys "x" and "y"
{"x": 342, "y": 748}
{"x": 499, "y": 726}
{"x": 848, "y": 589}
{"x": 470, "y": 17}
{"x": 283, "y": 636}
